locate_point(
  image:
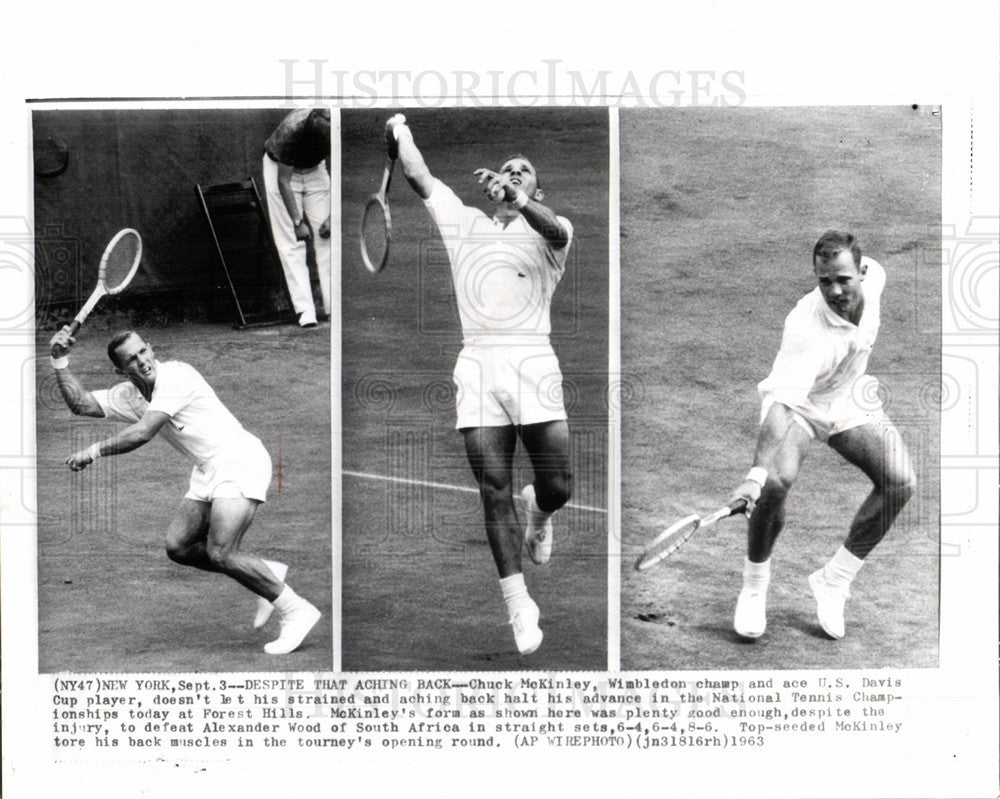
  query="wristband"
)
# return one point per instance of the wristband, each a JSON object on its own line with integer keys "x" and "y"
{"x": 62, "y": 362}
{"x": 94, "y": 451}
{"x": 520, "y": 199}
{"x": 758, "y": 474}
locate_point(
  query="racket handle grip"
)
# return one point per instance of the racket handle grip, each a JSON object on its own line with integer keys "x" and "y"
{"x": 74, "y": 326}
{"x": 737, "y": 506}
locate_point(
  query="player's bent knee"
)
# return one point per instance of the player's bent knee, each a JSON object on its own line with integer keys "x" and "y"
{"x": 176, "y": 551}
{"x": 494, "y": 482}
{"x": 178, "y": 548}
{"x": 496, "y": 492}
{"x": 554, "y": 491}
{"x": 219, "y": 556}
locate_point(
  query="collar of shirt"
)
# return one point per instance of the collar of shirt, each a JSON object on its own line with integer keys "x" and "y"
{"x": 833, "y": 319}
{"x": 498, "y": 222}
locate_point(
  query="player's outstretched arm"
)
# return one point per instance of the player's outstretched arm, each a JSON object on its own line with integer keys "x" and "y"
{"x": 80, "y": 401}
{"x": 772, "y": 445}
{"x": 399, "y": 144}
{"x": 541, "y": 218}
{"x": 132, "y": 437}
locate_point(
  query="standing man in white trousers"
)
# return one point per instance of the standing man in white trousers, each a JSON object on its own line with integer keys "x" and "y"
{"x": 297, "y": 182}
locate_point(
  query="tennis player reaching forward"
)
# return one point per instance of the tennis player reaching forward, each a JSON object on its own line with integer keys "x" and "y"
{"x": 812, "y": 393}
{"x": 505, "y": 269}
{"x": 231, "y": 473}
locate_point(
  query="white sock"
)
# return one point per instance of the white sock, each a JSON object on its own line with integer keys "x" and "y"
{"x": 842, "y": 568}
{"x": 756, "y": 575}
{"x": 287, "y": 600}
{"x": 276, "y": 568}
{"x": 515, "y": 592}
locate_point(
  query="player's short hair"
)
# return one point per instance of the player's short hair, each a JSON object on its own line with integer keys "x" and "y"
{"x": 117, "y": 340}
{"x": 833, "y": 243}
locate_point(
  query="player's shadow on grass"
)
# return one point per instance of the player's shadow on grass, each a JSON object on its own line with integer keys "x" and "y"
{"x": 735, "y": 638}
{"x": 810, "y": 628}
{"x": 800, "y": 626}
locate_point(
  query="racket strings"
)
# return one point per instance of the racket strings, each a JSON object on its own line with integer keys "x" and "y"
{"x": 121, "y": 261}
{"x": 667, "y": 542}
{"x": 678, "y": 536}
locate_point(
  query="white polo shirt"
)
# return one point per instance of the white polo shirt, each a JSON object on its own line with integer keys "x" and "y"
{"x": 200, "y": 426}
{"x": 504, "y": 277}
{"x": 822, "y": 355}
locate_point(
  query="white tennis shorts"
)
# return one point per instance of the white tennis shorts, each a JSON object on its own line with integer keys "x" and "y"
{"x": 498, "y": 386}
{"x": 248, "y": 476}
{"x": 852, "y": 407}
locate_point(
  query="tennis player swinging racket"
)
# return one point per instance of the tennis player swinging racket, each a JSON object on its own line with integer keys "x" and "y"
{"x": 231, "y": 472}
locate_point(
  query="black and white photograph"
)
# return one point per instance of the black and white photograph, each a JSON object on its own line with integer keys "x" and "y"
{"x": 781, "y": 321}
{"x": 183, "y": 406}
{"x": 441, "y": 399}
{"x": 475, "y": 414}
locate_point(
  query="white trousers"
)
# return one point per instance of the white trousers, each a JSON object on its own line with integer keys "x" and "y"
{"x": 312, "y": 195}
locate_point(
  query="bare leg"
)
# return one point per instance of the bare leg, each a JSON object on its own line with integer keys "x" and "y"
{"x": 229, "y": 520}
{"x": 768, "y": 517}
{"x": 547, "y": 444}
{"x": 187, "y": 535}
{"x": 491, "y": 453}
{"x": 878, "y": 450}
{"x": 782, "y": 445}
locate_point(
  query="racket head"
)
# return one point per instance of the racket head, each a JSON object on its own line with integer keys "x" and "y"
{"x": 120, "y": 261}
{"x": 667, "y": 542}
{"x": 376, "y": 234}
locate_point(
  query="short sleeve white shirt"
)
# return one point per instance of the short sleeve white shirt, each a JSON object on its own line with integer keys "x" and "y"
{"x": 504, "y": 277}
{"x": 200, "y": 426}
{"x": 822, "y": 355}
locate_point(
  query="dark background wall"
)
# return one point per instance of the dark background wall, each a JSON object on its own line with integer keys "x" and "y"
{"x": 138, "y": 168}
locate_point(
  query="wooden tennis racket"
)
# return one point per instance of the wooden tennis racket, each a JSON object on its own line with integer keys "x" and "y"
{"x": 671, "y": 539}
{"x": 118, "y": 266}
{"x": 376, "y": 225}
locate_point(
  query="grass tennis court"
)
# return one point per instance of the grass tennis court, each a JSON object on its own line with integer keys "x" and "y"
{"x": 720, "y": 209}
{"x": 109, "y": 598}
{"x": 420, "y": 588}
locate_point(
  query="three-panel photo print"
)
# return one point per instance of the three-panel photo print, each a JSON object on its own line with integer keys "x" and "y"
{"x": 487, "y": 389}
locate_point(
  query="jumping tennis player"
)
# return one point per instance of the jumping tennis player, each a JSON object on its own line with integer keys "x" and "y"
{"x": 231, "y": 473}
{"x": 505, "y": 268}
{"x": 818, "y": 389}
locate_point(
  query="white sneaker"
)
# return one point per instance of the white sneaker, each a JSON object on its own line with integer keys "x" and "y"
{"x": 829, "y": 604}
{"x": 527, "y": 633}
{"x": 750, "y": 619}
{"x": 538, "y": 528}
{"x": 295, "y": 626}
{"x": 264, "y": 607}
